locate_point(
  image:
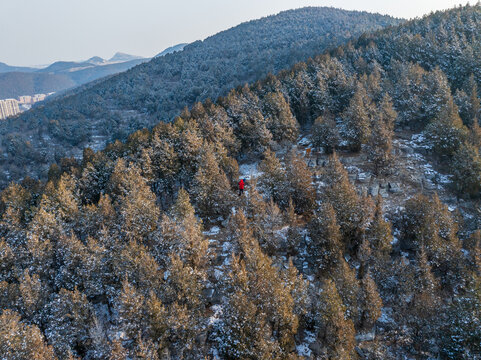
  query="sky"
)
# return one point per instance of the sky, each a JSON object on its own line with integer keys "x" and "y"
{"x": 38, "y": 32}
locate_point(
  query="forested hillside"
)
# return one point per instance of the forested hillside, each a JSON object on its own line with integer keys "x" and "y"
{"x": 159, "y": 90}
{"x": 14, "y": 84}
{"x": 358, "y": 235}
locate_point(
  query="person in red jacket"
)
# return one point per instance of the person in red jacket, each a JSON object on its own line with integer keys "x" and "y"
{"x": 241, "y": 187}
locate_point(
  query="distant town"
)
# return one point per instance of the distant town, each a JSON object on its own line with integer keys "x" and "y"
{"x": 12, "y": 107}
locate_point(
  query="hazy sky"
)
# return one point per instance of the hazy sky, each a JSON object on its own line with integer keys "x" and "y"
{"x": 36, "y": 32}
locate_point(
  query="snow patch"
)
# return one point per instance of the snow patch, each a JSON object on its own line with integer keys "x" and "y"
{"x": 303, "y": 348}
{"x": 214, "y": 230}
{"x": 249, "y": 171}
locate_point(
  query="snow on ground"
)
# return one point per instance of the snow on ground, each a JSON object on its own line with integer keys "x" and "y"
{"x": 304, "y": 141}
{"x": 303, "y": 348}
{"x": 386, "y": 316}
{"x": 214, "y": 230}
{"x": 217, "y": 309}
{"x": 249, "y": 171}
{"x": 419, "y": 141}
{"x": 226, "y": 247}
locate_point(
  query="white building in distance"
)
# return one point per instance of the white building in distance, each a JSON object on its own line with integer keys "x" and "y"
{"x": 8, "y": 107}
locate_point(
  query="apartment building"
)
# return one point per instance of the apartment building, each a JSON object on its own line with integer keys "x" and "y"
{"x": 8, "y": 107}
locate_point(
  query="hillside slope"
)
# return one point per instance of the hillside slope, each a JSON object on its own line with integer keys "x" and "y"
{"x": 158, "y": 90}
{"x": 357, "y": 236}
{"x": 14, "y": 84}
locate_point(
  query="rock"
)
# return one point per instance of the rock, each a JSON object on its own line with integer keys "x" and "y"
{"x": 201, "y": 339}
{"x": 383, "y": 193}
{"x": 394, "y": 187}
{"x": 364, "y": 177}
{"x": 407, "y": 150}
{"x": 208, "y": 294}
{"x": 217, "y": 297}
{"x": 316, "y": 348}
{"x": 374, "y": 190}
{"x": 360, "y": 352}
{"x": 369, "y": 336}
{"x": 428, "y": 185}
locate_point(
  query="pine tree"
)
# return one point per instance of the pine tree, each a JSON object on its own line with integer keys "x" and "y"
{"x": 15, "y": 201}
{"x": 20, "y": 341}
{"x": 272, "y": 181}
{"x": 294, "y": 233}
{"x": 243, "y": 107}
{"x": 475, "y": 135}
{"x": 71, "y": 253}
{"x": 265, "y": 221}
{"x": 277, "y": 299}
{"x": 466, "y": 170}
{"x": 462, "y": 334}
{"x": 188, "y": 147}
{"x": 468, "y": 101}
{"x": 211, "y": 190}
{"x": 183, "y": 294}
{"x": 222, "y": 130}
{"x": 189, "y": 240}
{"x": 335, "y": 330}
{"x": 40, "y": 257}
{"x": 69, "y": 319}
{"x": 378, "y": 240}
{"x": 447, "y": 132}
{"x": 129, "y": 307}
{"x": 280, "y": 121}
{"x": 99, "y": 347}
{"x": 135, "y": 263}
{"x": 425, "y": 305}
{"x": 380, "y": 140}
{"x": 8, "y": 262}
{"x": 146, "y": 350}
{"x": 165, "y": 165}
{"x": 348, "y": 287}
{"x": 370, "y": 303}
{"x": 62, "y": 200}
{"x": 33, "y": 296}
{"x": 357, "y": 120}
{"x": 244, "y": 333}
{"x": 299, "y": 179}
{"x": 326, "y": 239}
{"x": 325, "y": 133}
{"x": 139, "y": 211}
{"x": 156, "y": 317}
{"x": 352, "y": 212}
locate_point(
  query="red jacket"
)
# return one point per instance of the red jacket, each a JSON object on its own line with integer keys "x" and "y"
{"x": 241, "y": 184}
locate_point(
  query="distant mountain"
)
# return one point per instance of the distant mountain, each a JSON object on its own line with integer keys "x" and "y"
{"x": 159, "y": 89}
{"x": 122, "y": 57}
{"x": 65, "y": 66}
{"x": 172, "y": 49}
{"x": 4, "y": 68}
{"x": 61, "y": 75}
{"x": 14, "y": 84}
{"x": 90, "y": 73}
{"x": 97, "y": 60}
